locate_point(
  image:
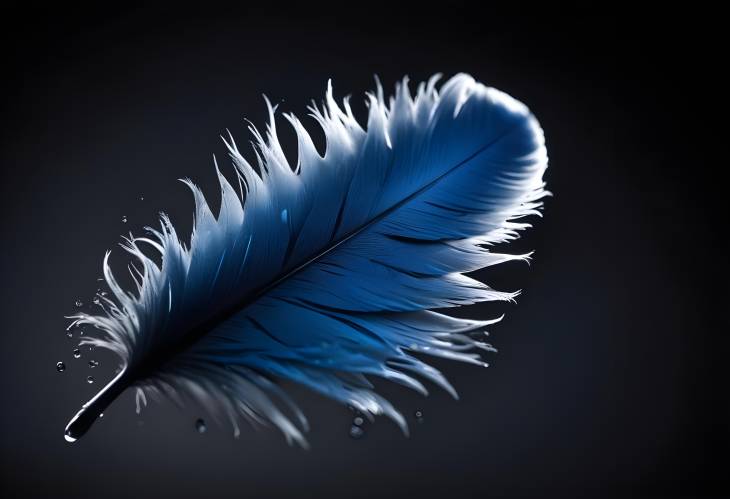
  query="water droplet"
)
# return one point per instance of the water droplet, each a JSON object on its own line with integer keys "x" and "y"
{"x": 356, "y": 432}
{"x": 77, "y": 353}
{"x": 419, "y": 416}
{"x": 102, "y": 293}
{"x": 96, "y": 301}
{"x": 141, "y": 198}
{"x": 93, "y": 364}
{"x": 69, "y": 334}
{"x": 200, "y": 425}
{"x": 124, "y": 219}
{"x": 358, "y": 421}
{"x": 91, "y": 348}
{"x": 60, "y": 367}
{"x": 90, "y": 379}
{"x": 79, "y": 303}
{"x": 101, "y": 415}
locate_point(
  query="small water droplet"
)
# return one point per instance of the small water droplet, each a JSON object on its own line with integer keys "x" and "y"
{"x": 91, "y": 348}
{"x": 77, "y": 353}
{"x": 358, "y": 421}
{"x": 89, "y": 379}
{"x": 96, "y": 301}
{"x": 102, "y": 293}
{"x": 69, "y": 334}
{"x": 419, "y": 416}
{"x": 60, "y": 367}
{"x": 200, "y": 425}
{"x": 141, "y": 198}
{"x": 93, "y": 364}
{"x": 101, "y": 415}
{"x": 124, "y": 219}
{"x": 356, "y": 432}
{"x": 79, "y": 303}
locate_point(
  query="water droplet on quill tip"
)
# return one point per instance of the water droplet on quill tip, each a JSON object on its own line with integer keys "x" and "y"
{"x": 90, "y": 379}
{"x": 200, "y": 426}
{"x": 419, "y": 416}
{"x": 77, "y": 353}
{"x": 124, "y": 219}
{"x": 79, "y": 303}
{"x": 93, "y": 363}
{"x": 358, "y": 421}
{"x": 60, "y": 367}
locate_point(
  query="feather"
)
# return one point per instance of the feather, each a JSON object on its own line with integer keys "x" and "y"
{"x": 326, "y": 272}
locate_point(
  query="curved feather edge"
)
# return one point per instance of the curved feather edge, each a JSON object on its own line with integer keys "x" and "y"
{"x": 336, "y": 260}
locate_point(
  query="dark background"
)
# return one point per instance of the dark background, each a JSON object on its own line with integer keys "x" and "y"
{"x": 609, "y": 380}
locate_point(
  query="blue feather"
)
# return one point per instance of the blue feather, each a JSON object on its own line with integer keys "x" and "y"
{"x": 326, "y": 272}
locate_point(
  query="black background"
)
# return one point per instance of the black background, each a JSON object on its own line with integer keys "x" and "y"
{"x": 609, "y": 380}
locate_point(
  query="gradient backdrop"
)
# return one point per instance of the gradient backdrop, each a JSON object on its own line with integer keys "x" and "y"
{"x": 610, "y": 380}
